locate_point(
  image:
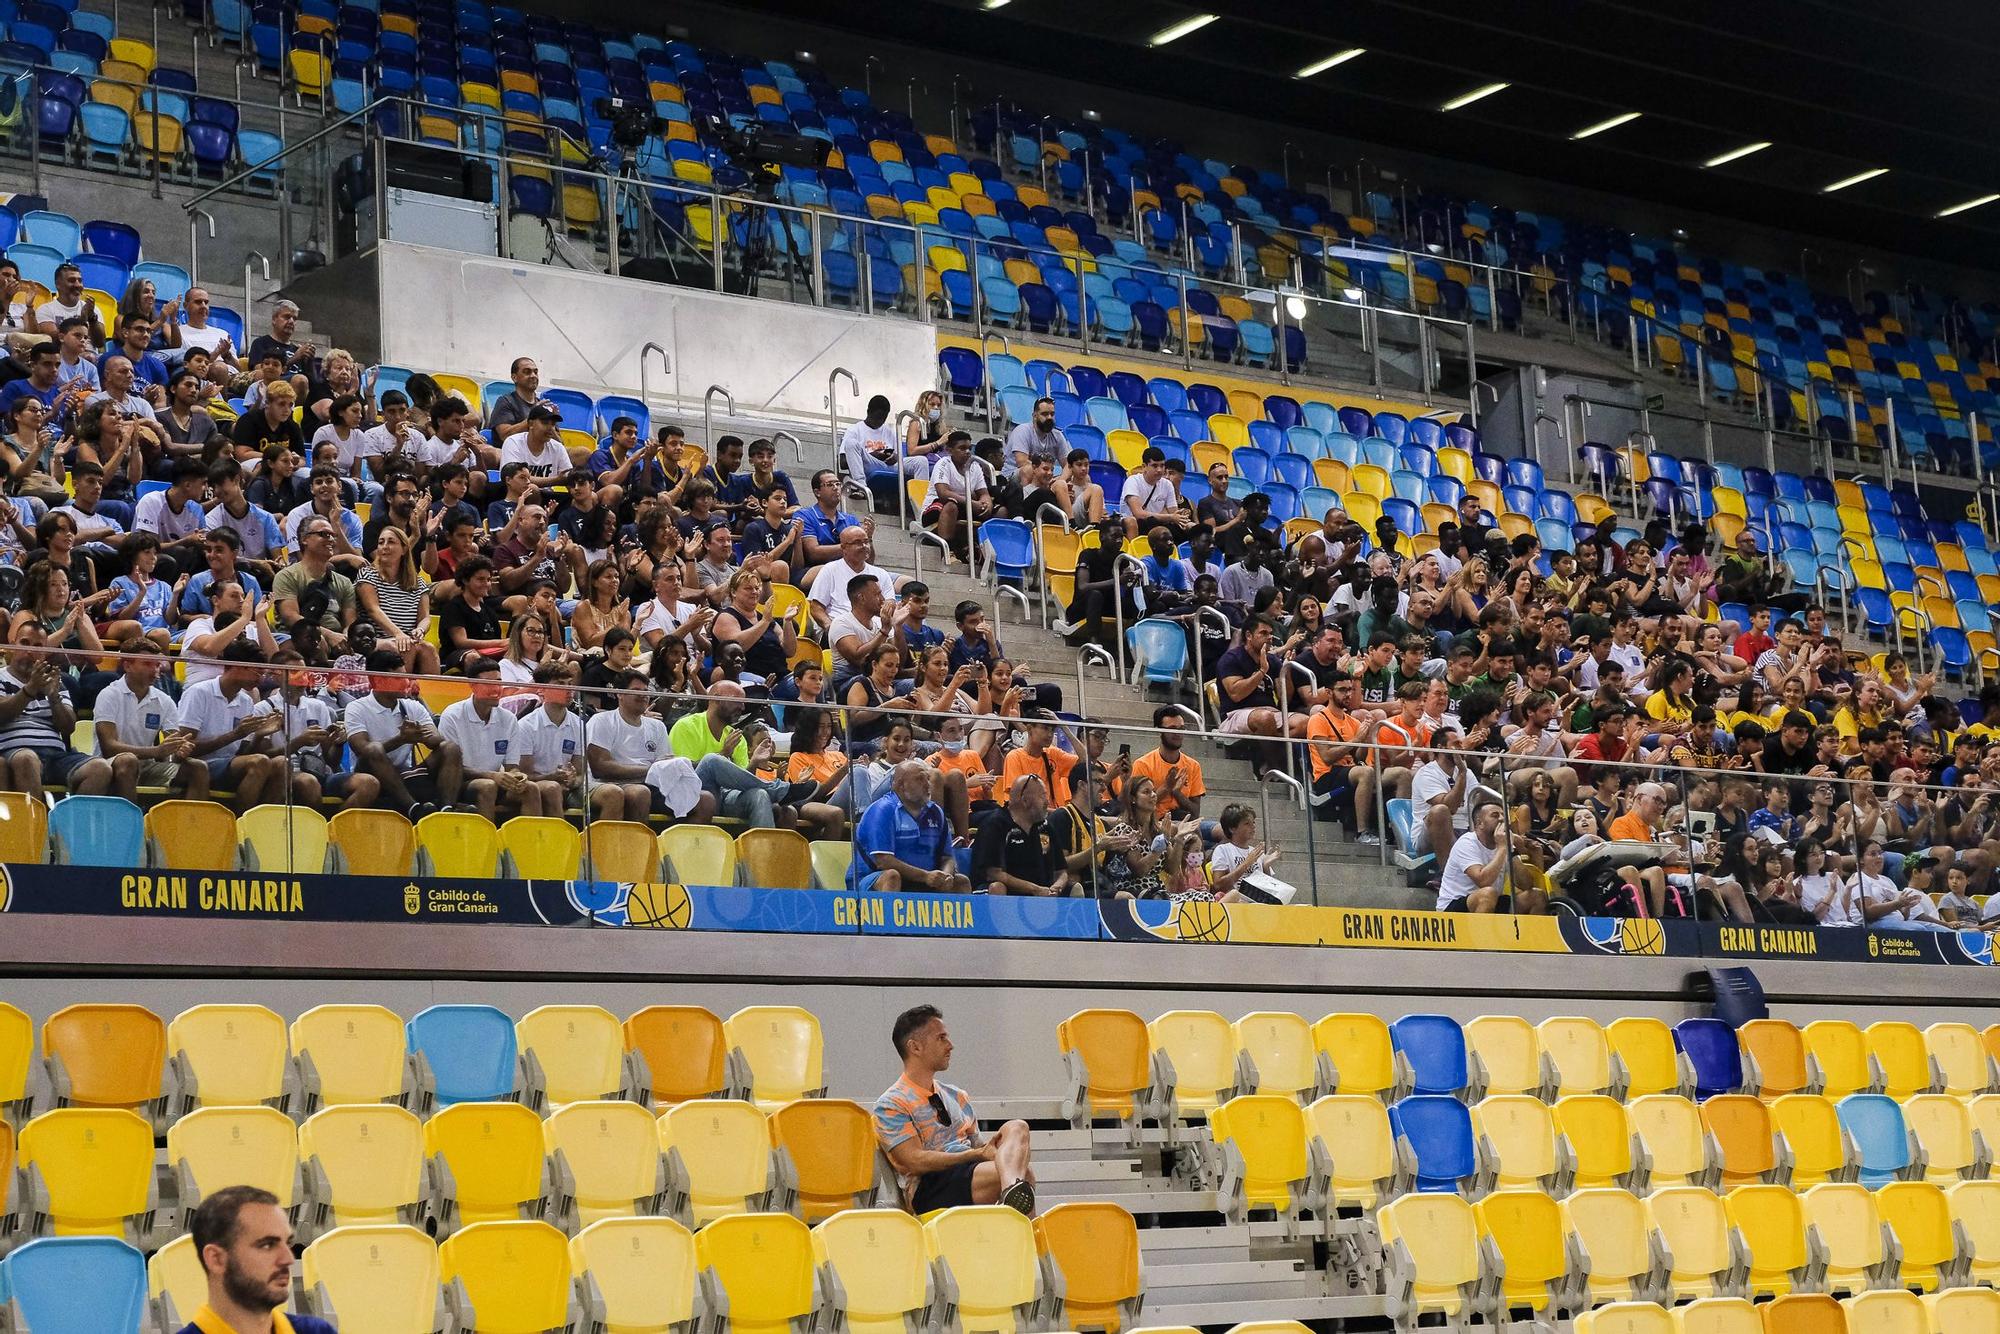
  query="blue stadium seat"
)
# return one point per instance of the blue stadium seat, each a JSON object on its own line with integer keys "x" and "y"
{"x": 1711, "y": 1047}
{"x": 114, "y": 240}
{"x": 1875, "y": 1122}
{"x": 620, "y": 405}
{"x": 1434, "y": 1047}
{"x": 1439, "y": 1131}
{"x": 77, "y": 1285}
{"x": 97, "y": 831}
{"x": 1159, "y": 650}
{"x": 470, "y": 1050}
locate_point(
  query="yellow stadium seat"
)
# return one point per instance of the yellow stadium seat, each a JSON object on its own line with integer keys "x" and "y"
{"x": 1718, "y": 1315}
{"x": 680, "y": 1053}
{"x": 1351, "y": 1151}
{"x": 362, "y": 1164}
{"x": 1094, "y": 1247}
{"x": 458, "y": 845}
{"x": 1812, "y": 1131}
{"x": 1779, "y": 1051}
{"x": 1692, "y": 1223}
{"x": 132, "y": 52}
{"x": 1612, "y": 1229}
{"x": 1851, "y": 1227}
{"x": 623, "y": 851}
{"x": 233, "y": 1146}
{"x": 1518, "y": 1141}
{"x": 349, "y": 1054}
{"x": 778, "y": 1051}
{"x": 1194, "y": 1061}
{"x": 485, "y": 1164}
{"x": 1275, "y": 1054}
{"x": 1263, "y": 1140}
{"x": 1962, "y": 1061}
{"x": 191, "y": 836}
{"x": 719, "y": 1162}
{"x": 1741, "y": 1128}
{"x": 1354, "y": 1054}
{"x": 698, "y": 854}
{"x": 1942, "y": 1125}
{"x": 604, "y": 1162}
{"x": 462, "y": 387}
{"x": 17, "y": 1055}
{"x": 1507, "y": 1058}
{"x": 88, "y": 1172}
{"x": 762, "y": 1266}
{"x": 1627, "y": 1318}
{"x": 574, "y": 1053}
{"x": 1600, "y": 1137}
{"x": 1106, "y": 1056}
{"x": 1432, "y": 1245}
{"x": 775, "y": 858}
{"x": 542, "y": 847}
{"x": 105, "y": 1056}
{"x": 1525, "y": 1227}
{"x": 828, "y": 1157}
{"x": 884, "y": 1273}
{"x": 1839, "y": 1058}
{"x": 987, "y": 1252}
{"x": 1898, "y": 1049}
{"x": 1975, "y": 1206}
{"x": 1578, "y": 1049}
{"x": 1677, "y": 1146}
{"x": 1645, "y": 1047}
{"x": 176, "y": 1284}
{"x": 282, "y": 838}
{"x": 831, "y": 857}
{"x": 228, "y": 1055}
{"x": 1371, "y": 480}
{"x": 1920, "y": 1216}
{"x": 1963, "y": 1311}
{"x": 382, "y": 1278}
{"x": 1805, "y": 1313}
{"x": 373, "y": 842}
{"x": 24, "y": 828}
{"x": 635, "y": 1274}
{"x": 507, "y": 1278}
{"x": 1772, "y": 1222}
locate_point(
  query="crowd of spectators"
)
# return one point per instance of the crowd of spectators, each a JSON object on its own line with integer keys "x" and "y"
{"x": 693, "y": 620}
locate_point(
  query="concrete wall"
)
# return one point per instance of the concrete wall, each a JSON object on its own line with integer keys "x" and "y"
{"x": 448, "y": 311}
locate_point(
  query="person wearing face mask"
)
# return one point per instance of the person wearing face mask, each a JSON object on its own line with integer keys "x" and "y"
{"x": 923, "y": 433}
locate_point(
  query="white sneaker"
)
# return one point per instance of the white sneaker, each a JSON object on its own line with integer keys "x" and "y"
{"x": 1368, "y": 839}
{"x": 1063, "y": 628}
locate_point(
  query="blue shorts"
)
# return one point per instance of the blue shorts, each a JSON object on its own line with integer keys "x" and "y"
{"x": 866, "y": 880}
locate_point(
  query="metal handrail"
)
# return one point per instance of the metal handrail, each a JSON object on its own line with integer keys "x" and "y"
{"x": 1006, "y": 348}
{"x": 195, "y": 215}
{"x": 1202, "y": 615}
{"x": 249, "y": 298}
{"x": 708, "y": 414}
{"x": 307, "y": 142}
{"x": 1093, "y": 653}
{"x": 1042, "y": 556}
{"x": 798, "y": 445}
{"x": 1123, "y": 559}
{"x": 833, "y": 410}
{"x": 646, "y": 351}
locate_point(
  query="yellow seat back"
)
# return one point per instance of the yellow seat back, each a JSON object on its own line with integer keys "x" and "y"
{"x": 175, "y": 1272}
{"x": 1811, "y": 1126}
{"x": 1670, "y": 1128}
{"x": 833, "y": 1149}
{"x": 1094, "y": 1245}
{"x": 236, "y": 1146}
{"x": 684, "y": 1049}
{"x": 623, "y": 851}
{"x": 1840, "y": 1054}
{"x": 1599, "y": 1134}
{"x": 1441, "y": 1238}
{"x": 1612, "y": 1227}
{"x": 1280, "y": 1048}
{"x": 764, "y": 1264}
{"x": 990, "y": 1250}
{"x": 494, "y": 1152}
{"x": 369, "y": 1159}
{"x": 96, "y": 1164}
{"x": 1358, "y": 1054}
{"x": 237, "y": 1054}
{"x": 1961, "y": 1058}
{"x": 1508, "y": 1052}
{"x": 698, "y": 854}
{"x": 724, "y": 1147}
{"x": 1851, "y": 1226}
{"x": 382, "y": 1278}
{"x": 192, "y": 835}
{"x": 355, "y": 1052}
{"x": 1520, "y": 1133}
{"x": 1646, "y": 1049}
{"x": 1780, "y": 1052}
{"x": 1525, "y": 1226}
{"x": 879, "y": 1257}
{"x": 1111, "y": 1047}
{"x": 285, "y": 838}
{"x": 775, "y": 858}
{"x": 782, "y": 1049}
{"x": 24, "y": 828}
{"x": 1353, "y": 1128}
{"x": 643, "y": 1268}
{"x": 374, "y": 842}
{"x": 612, "y": 1154}
{"x": 1773, "y": 1223}
{"x": 1975, "y": 1206}
{"x": 543, "y": 847}
{"x": 1202, "y": 1050}
{"x": 580, "y": 1049}
{"x": 113, "y": 1055}
{"x": 460, "y": 845}
{"x": 1269, "y": 1131}
{"x": 516, "y": 1275}
{"x": 1692, "y": 1222}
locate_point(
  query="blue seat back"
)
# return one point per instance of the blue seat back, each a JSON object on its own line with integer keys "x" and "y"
{"x": 1012, "y": 543}
{"x": 1161, "y": 647}
{"x": 99, "y": 831}
{"x": 1439, "y": 1130}
{"x": 620, "y": 405}
{"x": 470, "y": 1049}
{"x": 1434, "y": 1046}
{"x": 1711, "y": 1047}
{"x": 77, "y": 1285}
{"x": 1875, "y": 1122}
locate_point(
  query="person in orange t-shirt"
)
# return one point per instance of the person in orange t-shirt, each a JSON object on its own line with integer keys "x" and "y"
{"x": 965, "y": 787}
{"x": 1041, "y": 758}
{"x": 1343, "y": 779}
{"x": 1174, "y": 772}
{"x": 1641, "y": 823}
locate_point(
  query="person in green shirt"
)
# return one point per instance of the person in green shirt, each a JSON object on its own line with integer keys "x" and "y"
{"x": 725, "y": 760}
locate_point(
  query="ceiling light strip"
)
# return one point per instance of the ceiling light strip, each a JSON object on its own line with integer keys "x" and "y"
{"x": 1733, "y": 154}
{"x": 1337, "y": 58}
{"x": 1856, "y": 179}
{"x": 1968, "y": 204}
{"x": 1623, "y": 118}
{"x": 1467, "y": 99}
{"x": 1181, "y": 29}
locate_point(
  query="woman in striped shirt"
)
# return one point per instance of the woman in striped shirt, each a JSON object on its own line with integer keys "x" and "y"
{"x": 397, "y": 599}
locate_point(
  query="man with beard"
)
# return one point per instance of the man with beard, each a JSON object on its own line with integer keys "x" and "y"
{"x": 244, "y": 1244}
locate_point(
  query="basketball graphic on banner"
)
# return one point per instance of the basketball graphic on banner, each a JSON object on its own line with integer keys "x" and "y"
{"x": 1202, "y": 920}
{"x": 661, "y": 907}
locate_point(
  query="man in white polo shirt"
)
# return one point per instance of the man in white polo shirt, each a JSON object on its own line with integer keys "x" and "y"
{"x": 384, "y": 728}
{"x": 138, "y": 727}
{"x": 488, "y": 741}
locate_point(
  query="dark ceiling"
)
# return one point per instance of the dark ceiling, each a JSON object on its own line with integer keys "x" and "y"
{"x": 1837, "y": 87}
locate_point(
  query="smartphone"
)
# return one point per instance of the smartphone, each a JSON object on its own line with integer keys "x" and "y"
{"x": 1125, "y": 751}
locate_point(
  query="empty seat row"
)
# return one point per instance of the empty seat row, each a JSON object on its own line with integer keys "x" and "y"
{"x": 1185, "y": 1062}
{"x": 127, "y": 1057}
{"x": 972, "y": 1268}
{"x": 1958, "y": 1311}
